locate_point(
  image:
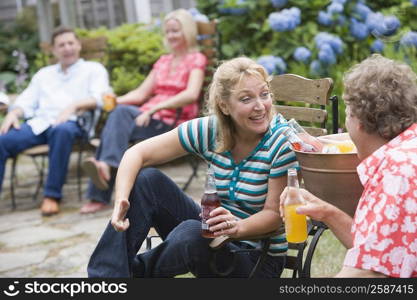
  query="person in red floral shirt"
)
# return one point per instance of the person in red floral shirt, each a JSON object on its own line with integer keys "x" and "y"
{"x": 381, "y": 117}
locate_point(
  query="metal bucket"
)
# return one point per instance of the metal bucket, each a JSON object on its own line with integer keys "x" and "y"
{"x": 332, "y": 177}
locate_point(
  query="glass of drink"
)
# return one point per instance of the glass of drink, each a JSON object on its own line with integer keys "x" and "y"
{"x": 109, "y": 101}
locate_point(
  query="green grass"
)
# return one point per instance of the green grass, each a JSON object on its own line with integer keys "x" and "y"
{"x": 327, "y": 259}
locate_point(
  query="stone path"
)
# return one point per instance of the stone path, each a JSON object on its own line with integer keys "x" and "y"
{"x": 59, "y": 246}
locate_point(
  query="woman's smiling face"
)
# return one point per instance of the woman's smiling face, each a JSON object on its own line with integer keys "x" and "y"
{"x": 174, "y": 34}
{"x": 249, "y": 106}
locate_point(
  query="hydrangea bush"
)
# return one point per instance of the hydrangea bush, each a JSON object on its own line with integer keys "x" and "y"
{"x": 315, "y": 38}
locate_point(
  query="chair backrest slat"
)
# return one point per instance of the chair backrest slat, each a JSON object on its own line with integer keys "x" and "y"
{"x": 307, "y": 114}
{"x": 303, "y": 99}
{"x": 291, "y": 87}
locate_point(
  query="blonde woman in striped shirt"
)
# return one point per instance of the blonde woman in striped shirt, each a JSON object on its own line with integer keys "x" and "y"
{"x": 242, "y": 139}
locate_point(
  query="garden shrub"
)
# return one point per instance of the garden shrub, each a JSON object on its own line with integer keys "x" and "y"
{"x": 18, "y": 47}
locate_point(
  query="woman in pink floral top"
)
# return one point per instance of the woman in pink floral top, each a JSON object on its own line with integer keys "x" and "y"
{"x": 381, "y": 118}
{"x": 175, "y": 82}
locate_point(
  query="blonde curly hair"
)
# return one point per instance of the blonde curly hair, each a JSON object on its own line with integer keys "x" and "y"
{"x": 382, "y": 94}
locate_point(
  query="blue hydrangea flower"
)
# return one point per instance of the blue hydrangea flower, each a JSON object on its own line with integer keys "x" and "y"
{"x": 335, "y": 8}
{"x": 238, "y": 11}
{"x": 341, "y": 20}
{"x": 326, "y": 38}
{"x": 409, "y": 39}
{"x": 302, "y": 54}
{"x": 414, "y": 2}
{"x": 391, "y": 24}
{"x": 358, "y": 29}
{"x": 339, "y": 1}
{"x": 279, "y": 3}
{"x": 375, "y": 23}
{"x": 197, "y": 16}
{"x": 280, "y": 65}
{"x": 377, "y": 46}
{"x": 325, "y": 18}
{"x": 362, "y": 10}
{"x": 316, "y": 69}
{"x": 272, "y": 64}
{"x": 285, "y": 20}
{"x": 326, "y": 55}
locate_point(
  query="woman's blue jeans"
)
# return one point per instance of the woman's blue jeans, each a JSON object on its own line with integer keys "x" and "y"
{"x": 156, "y": 201}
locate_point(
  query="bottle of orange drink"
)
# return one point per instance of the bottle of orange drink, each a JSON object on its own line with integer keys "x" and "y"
{"x": 295, "y": 224}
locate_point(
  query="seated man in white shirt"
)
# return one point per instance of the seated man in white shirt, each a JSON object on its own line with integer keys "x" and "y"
{"x": 49, "y": 104}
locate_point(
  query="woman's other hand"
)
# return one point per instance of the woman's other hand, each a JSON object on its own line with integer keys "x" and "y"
{"x": 118, "y": 220}
{"x": 223, "y": 222}
{"x": 143, "y": 119}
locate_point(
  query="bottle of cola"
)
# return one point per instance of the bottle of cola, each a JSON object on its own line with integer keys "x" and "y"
{"x": 209, "y": 201}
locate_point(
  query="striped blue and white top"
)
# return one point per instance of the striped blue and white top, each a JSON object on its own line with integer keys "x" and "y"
{"x": 243, "y": 186}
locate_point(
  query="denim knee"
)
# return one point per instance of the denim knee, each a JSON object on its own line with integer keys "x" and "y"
{"x": 121, "y": 112}
{"x": 151, "y": 175}
{"x": 188, "y": 234}
{"x": 63, "y": 131}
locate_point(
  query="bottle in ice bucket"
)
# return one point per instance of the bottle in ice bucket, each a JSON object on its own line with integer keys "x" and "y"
{"x": 295, "y": 224}
{"x": 296, "y": 142}
{"x": 305, "y": 136}
{"x": 209, "y": 201}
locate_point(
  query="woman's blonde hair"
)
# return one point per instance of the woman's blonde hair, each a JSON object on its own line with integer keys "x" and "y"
{"x": 188, "y": 27}
{"x": 382, "y": 94}
{"x": 227, "y": 76}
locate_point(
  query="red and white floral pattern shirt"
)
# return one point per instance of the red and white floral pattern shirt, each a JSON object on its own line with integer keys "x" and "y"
{"x": 385, "y": 223}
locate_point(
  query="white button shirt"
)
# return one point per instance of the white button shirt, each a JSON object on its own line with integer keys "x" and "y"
{"x": 51, "y": 91}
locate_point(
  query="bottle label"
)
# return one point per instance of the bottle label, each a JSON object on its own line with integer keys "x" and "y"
{"x": 204, "y": 226}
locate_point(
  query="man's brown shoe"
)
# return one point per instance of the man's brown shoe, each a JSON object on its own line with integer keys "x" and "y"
{"x": 49, "y": 207}
{"x": 93, "y": 207}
